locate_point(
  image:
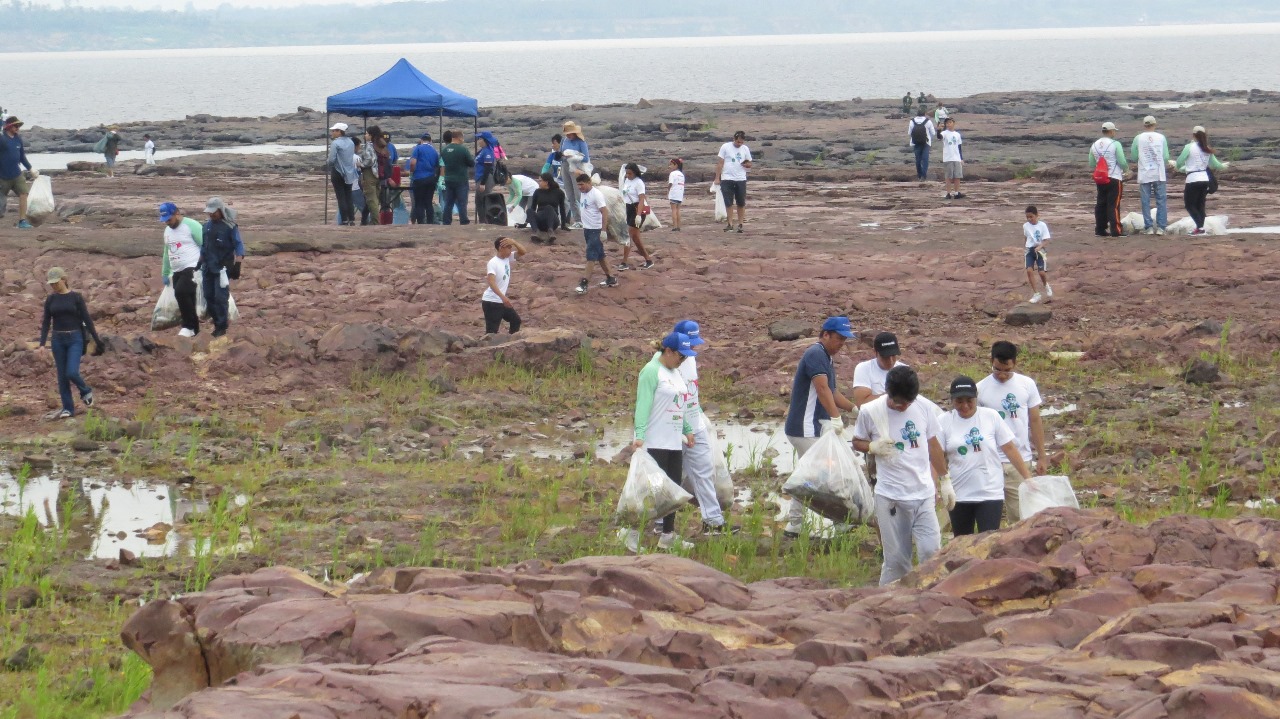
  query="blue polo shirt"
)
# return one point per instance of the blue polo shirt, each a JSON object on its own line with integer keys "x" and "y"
{"x": 806, "y": 411}
{"x": 13, "y": 157}
{"x": 483, "y": 157}
{"x": 428, "y": 161}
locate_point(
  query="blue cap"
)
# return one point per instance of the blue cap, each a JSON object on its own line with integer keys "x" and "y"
{"x": 690, "y": 328}
{"x": 167, "y": 211}
{"x": 679, "y": 342}
{"x": 839, "y": 325}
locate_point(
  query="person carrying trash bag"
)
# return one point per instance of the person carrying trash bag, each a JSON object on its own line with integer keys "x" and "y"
{"x": 661, "y": 428}
{"x": 698, "y": 460}
{"x": 183, "y": 237}
{"x": 903, "y": 436}
{"x": 830, "y": 481}
{"x": 217, "y": 257}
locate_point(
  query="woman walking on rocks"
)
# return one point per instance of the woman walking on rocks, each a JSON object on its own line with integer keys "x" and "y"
{"x": 1198, "y": 159}
{"x": 68, "y": 316}
{"x": 633, "y": 193}
{"x": 969, "y": 435}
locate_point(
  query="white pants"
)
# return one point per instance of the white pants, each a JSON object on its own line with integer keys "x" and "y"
{"x": 151, "y": 157}
{"x": 901, "y": 523}
{"x": 795, "y": 514}
{"x": 699, "y": 469}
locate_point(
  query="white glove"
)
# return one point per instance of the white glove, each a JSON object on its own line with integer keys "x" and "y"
{"x": 882, "y": 448}
{"x": 837, "y": 425}
{"x": 222, "y": 278}
{"x": 715, "y": 185}
{"x": 947, "y": 492}
{"x": 36, "y": 173}
{"x": 1225, "y": 165}
{"x": 1173, "y": 165}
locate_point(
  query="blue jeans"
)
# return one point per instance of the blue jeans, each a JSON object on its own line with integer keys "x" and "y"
{"x": 922, "y": 161}
{"x": 455, "y": 196}
{"x": 68, "y": 348}
{"x": 216, "y": 299}
{"x": 1162, "y": 204}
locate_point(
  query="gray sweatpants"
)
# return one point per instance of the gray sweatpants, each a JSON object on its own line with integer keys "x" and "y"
{"x": 700, "y": 470}
{"x": 902, "y": 523}
{"x": 795, "y": 513}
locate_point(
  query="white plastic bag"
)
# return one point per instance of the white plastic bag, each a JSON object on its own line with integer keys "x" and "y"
{"x": 648, "y": 222}
{"x": 830, "y": 481}
{"x": 1041, "y": 493}
{"x": 721, "y": 476}
{"x": 1132, "y": 223}
{"x": 722, "y": 212}
{"x": 40, "y": 203}
{"x": 202, "y": 308}
{"x": 516, "y": 216}
{"x": 166, "y": 314}
{"x": 648, "y": 493}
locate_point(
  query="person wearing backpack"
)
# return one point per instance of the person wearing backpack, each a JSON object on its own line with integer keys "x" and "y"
{"x": 1106, "y": 157}
{"x": 920, "y": 133}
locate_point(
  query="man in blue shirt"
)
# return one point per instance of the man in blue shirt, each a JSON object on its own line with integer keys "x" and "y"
{"x": 575, "y": 142}
{"x": 342, "y": 168}
{"x": 424, "y": 168}
{"x": 13, "y": 157}
{"x": 814, "y": 398}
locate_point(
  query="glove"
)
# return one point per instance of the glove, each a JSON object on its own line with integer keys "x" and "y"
{"x": 882, "y": 448}
{"x": 222, "y": 278}
{"x": 1173, "y": 165}
{"x": 1225, "y": 165}
{"x": 947, "y": 492}
{"x": 165, "y": 280}
{"x": 837, "y": 425}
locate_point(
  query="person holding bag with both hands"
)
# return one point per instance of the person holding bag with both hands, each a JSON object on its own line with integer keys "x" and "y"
{"x": 68, "y": 316}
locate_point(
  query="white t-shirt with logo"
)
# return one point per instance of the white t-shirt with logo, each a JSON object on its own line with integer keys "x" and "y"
{"x": 951, "y": 142}
{"x": 1153, "y": 152}
{"x": 1107, "y": 148}
{"x": 973, "y": 457}
{"x": 675, "y": 192}
{"x": 1036, "y": 234}
{"x": 184, "y": 253}
{"x": 733, "y": 158}
{"x": 632, "y": 189}
{"x": 905, "y": 476}
{"x": 1013, "y": 401}
{"x": 871, "y": 375}
{"x": 589, "y": 206}
{"x": 501, "y": 271}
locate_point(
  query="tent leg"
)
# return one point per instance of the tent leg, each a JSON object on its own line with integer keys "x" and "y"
{"x": 327, "y": 140}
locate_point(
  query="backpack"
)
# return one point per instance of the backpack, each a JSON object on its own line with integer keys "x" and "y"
{"x": 1101, "y": 171}
{"x": 500, "y": 172}
{"x": 919, "y": 133}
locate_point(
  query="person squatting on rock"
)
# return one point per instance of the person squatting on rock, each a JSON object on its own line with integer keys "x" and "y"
{"x": 594, "y": 212}
{"x": 67, "y": 315}
{"x": 814, "y": 398}
{"x": 182, "y": 239}
{"x": 699, "y": 464}
{"x": 732, "y": 163}
{"x": 1197, "y": 159}
{"x": 547, "y": 210}
{"x": 661, "y": 425}
{"x": 1016, "y": 398}
{"x": 13, "y": 158}
{"x": 1150, "y": 152}
{"x": 342, "y": 171}
{"x": 1036, "y": 235}
{"x": 637, "y": 201}
{"x": 969, "y": 435}
{"x": 219, "y": 249}
{"x": 495, "y": 303}
{"x": 1106, "y": 210}
{"x": 903, "y": 435}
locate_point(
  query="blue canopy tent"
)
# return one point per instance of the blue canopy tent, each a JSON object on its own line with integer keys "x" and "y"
{"x": 402, "y": 90}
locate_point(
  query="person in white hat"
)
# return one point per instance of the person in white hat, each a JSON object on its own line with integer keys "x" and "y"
{"x": 342, "y": 168}
{"x": 1150, "y": 152}
{"x": 573, "y": 142}
{"x": 1198, "y": 159}
{"x": 1106, "y": 211}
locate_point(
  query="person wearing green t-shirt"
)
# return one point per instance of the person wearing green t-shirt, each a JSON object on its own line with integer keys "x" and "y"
{"x": 456, "y": 160}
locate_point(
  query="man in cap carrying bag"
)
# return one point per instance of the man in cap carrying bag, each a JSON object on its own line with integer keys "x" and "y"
{"x": 573, "y": 140}
{"x": 217, "y": 256}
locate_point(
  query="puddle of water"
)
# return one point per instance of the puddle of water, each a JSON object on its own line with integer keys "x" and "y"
{"x": 1051, "y": 411}
{"x": 59, "y": 160}
{"x": 1259, "y": 503}
{"x": 744, "y": 445}
{"x": 1065, "y": 356}
{"x": 869, "y": 224}
{"x": 1183, "y": 104}
{"x": 1269, "y": 230}
{"x": 38, "y": 494}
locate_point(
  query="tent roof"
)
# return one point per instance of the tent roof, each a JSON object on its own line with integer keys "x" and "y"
{"x": 403, "y": 90}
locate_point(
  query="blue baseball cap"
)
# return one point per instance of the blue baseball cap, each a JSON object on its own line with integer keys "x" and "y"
{"x": 679, "y": 342}
{"x": 167, "y": 211}
{"x": 690, "y": 328}
{"x": 839, "y": 325}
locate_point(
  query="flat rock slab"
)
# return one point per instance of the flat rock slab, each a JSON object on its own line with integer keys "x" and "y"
{"x": 1027, "y": 314}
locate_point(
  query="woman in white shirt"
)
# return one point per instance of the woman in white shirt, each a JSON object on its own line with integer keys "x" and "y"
{"x": 675, "y": 191}
{"x": 661, "y": 427}
{"x": 1197, "y": 159}
{"x": 633, "y": 193}
{"x": 969, "y": 436}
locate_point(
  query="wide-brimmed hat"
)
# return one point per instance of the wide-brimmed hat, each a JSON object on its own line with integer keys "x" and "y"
{"x": 13, "y": 121}
{"x": 571, "y": 127}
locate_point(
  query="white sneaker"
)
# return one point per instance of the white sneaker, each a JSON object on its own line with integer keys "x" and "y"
{"x": 1048, "y": 291}
{"x": 576, "y": 226}
{"x": 1159, "y": 230}
{"x": 668, "y": 542}
{"x": 1034, "y": 298}
{"x": 630, "y": 539}
{"x": 184, "y": 332}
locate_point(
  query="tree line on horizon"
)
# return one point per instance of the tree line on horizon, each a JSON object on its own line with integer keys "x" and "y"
{"x": 71, "y": 27}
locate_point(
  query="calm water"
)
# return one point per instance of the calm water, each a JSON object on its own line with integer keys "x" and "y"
{"x": 80, "y": 89}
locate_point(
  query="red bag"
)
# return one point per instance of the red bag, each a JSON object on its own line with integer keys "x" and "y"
{"x": 1101, "y": 175}
{"x": 395, "y": 176}
{"x": 386, "y": 217}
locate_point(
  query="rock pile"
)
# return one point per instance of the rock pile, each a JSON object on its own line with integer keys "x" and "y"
{"x": 1069, "y": 614}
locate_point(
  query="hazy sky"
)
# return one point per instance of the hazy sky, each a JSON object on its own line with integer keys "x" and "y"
{"x": 199, "y": 4}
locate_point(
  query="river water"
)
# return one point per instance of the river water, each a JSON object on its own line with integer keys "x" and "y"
{"x": 82, "y": 89}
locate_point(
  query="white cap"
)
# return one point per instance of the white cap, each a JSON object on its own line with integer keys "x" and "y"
{"x": 339, "y": 126}
{"x": 1110, "y": 126}
{"x": 1149, "y": 121}
{"x": 1197, "y": 128}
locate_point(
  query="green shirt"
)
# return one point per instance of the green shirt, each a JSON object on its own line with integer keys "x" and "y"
{"x": 456, "y": 160}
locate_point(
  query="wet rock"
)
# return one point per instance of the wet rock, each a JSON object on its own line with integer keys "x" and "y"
{"x": 37, "y": 461}
{"x": 24, "y": 660}
{"x": 644, "y": 104}
{"x": 85, "y": 445}
{"x": 21, "y": 598}
{"x": 1201, "y": 371}
{"x": 788, "y": 330}
{"x": 1027, "y": 314}
{"x": 128, "y": 558}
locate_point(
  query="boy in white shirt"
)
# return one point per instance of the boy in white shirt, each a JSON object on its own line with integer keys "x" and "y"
{"x": 594, "y": 211}
{"x": 1037, "y": 236}
{"x": 952, "y": 159}
{"x": 495, "y": 303}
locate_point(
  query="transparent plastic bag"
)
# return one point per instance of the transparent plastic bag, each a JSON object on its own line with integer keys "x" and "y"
{"x": 202, "y": 307}
{"x": 721, "y": 476}
{"x": 40, "y": 204}
{"x": 166, "y": 314}
{"x": 722, "y": 212}
{"x": 648, "y": 492}
{"x": 831, "y": 482}
{"x": 649, "y": 222}
{"x": 1041, "y": 493}
{"x": 516, "y": 216}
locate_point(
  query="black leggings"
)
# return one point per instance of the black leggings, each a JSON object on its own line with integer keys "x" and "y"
{"x": 1194, "y": 196}
{"x": 671, "y": 461}
{"x": 495, "y": 313}
{"x": 545, "y": 219}
{"x": 986, "y": 515}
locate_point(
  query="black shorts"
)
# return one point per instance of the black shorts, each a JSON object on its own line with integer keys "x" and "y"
{"x": 735, "y": 192}
{"x": 633, "y": 209}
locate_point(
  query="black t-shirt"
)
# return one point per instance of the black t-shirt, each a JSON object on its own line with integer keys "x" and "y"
{"x": 66, "y": 312}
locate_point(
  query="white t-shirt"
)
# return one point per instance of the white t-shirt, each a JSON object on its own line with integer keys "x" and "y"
{"x": 675, "y": 192}
{"x": 972, "y": 458}
{"x": 1012, "y": 400}
{"x": 1036, "y": 234}
{"x": 1197, "y": 164}
{"x": 667, "y": 415}
{"x": 1107, "y": 148}
{"x": 150, "y": 146}
{"x": 526, "y": 184}
{"x": 184, "y": 253}
{"x": 951, "y": 143}
{"x": 869, "y": 374}
{"x": 589, "y": 205}
{"x": 1152, "y": 155}
{"x": 501, "y": 271}
{"x": 733, "y": 158}
{"x": 632, "y": 188}
{"x": 906, "y": 476}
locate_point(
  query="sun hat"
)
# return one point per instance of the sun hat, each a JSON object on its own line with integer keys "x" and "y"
{"x": 680, "y": 343}
{"x": 167, "y": 211}
{"x": 840, "y": 325}
{"x": 1149, "y": 121}
{"x": 886, "y": 344}
{"x": 13, "y": 121}
{"x": 571, "y": 128}
{"x": 963, "y": 387}
{"x": 56, "y": 275}
{"x": 1110, "y": 126}
{"x": 692, "y": 330}
{"x": 339, "y": 126}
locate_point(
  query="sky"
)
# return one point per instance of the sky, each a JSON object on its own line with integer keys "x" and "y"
{"x": 198, "y": 4}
